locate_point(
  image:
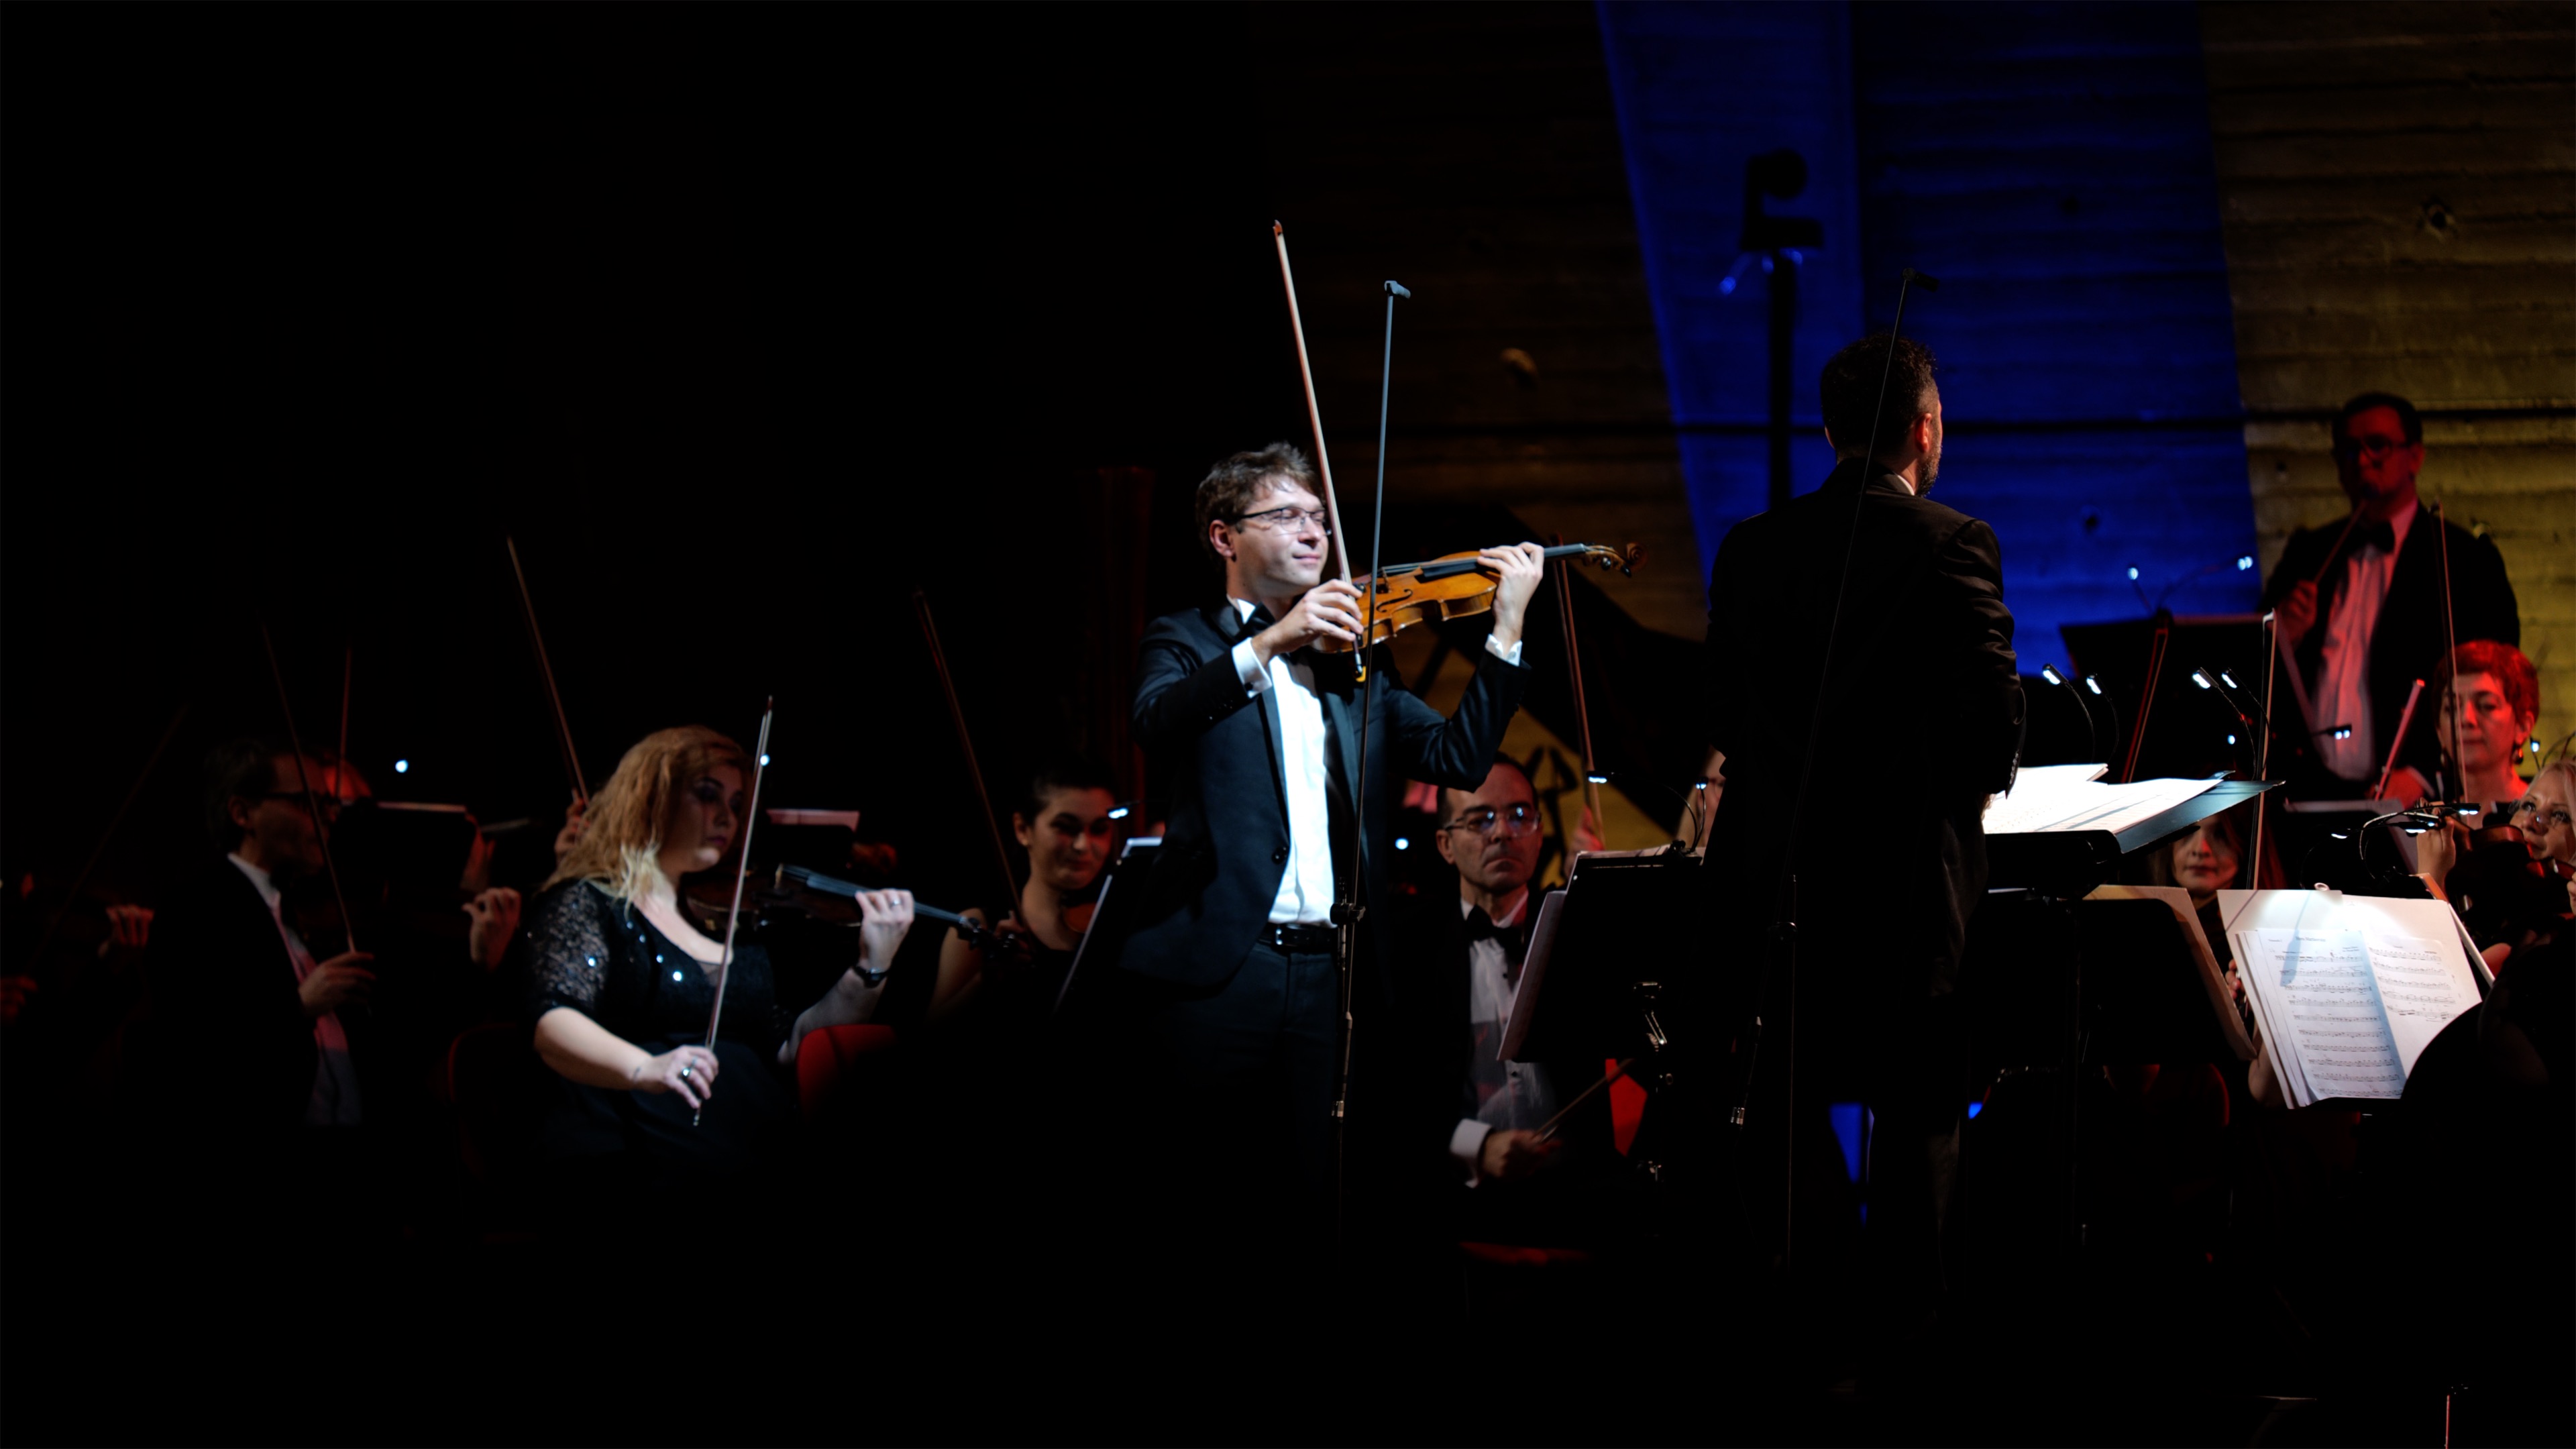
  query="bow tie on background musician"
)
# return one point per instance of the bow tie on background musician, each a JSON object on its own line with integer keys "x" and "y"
{"x": 1230, "y": 960}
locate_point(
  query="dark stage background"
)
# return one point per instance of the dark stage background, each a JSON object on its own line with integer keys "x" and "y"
{"x": 744, "y": 322}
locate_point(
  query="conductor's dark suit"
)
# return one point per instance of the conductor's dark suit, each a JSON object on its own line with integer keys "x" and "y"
{"x": 1924, "y": 690}
{"x": 1923, "y": 676}
{"x": 2407, "y": 642}
{"x": 1243, "y": 1030}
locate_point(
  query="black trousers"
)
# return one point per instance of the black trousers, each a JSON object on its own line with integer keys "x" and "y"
{"x": 1239, "y": 1078}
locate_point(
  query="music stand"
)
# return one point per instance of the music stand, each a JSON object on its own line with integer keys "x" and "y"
{"x": 1599, "y": 953}
{"x": 1112, "y": 914}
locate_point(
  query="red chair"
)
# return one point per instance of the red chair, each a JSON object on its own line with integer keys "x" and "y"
{"x": 828, "y": 1054}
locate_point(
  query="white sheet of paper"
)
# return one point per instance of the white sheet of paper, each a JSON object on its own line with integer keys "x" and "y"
{"x": 2067, "y": 797}
{"x": 1533, "y": 967}
{"x": 2416, "y": 955}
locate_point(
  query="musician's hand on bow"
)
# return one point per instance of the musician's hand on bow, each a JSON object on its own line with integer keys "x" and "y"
{"x": 2297, "y": 613}
{"x": 1511, "y": 1156}
{"x": 1518, "y": 568}
{"x": 338, "y": 982}
{"x": 689, "y": 1071}
{"x": 494, "y": 915}
{"x": 1331, "y": 610}
{"x": 884, "y": 917}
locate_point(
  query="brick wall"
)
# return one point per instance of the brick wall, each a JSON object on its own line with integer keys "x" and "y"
{"x": 2398, "y": 184}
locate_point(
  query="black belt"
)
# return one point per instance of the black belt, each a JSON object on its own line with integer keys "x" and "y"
{"x": 1297, "y": 938}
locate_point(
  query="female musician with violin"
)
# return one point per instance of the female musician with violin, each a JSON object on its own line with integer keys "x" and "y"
{"x": 623, "y": 983}
{"x": 1063, "y": 822}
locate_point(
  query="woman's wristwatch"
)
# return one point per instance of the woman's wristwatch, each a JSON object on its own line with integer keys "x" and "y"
{"x": 871, "y": 979}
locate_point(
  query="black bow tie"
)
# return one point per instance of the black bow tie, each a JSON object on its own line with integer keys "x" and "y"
{"x": 1256, "y": 621}
{"x": 1481, "y": 927}
{"x": 2380, "y": 533}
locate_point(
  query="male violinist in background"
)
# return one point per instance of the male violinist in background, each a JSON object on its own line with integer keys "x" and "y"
{"x": 1257, "y": 732}
{"x": 1886, "y": 877}
{"x": 2360, "y": 611}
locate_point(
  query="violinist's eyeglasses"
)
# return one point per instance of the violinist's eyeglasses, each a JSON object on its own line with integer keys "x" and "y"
{"x": 1512, "y": 824}
{"x": 1286, "y": 520}
{"x": 330, "y": 805}
{"x": 2372, "y": 448}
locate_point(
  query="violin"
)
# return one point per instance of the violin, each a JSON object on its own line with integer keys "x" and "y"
{"x": 1454, "y": 586}
{"x": 795, "y": 893}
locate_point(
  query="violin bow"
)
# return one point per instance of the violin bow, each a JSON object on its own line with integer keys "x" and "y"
{"x": 304, "y": 782}
{"x": 546, "y": 668}
{"x": 1314, "y": 414}
{"x": 2451, "y": 651}
{"x": 1574, "y": 672}
{"x": 1010, "y": 899}
{"x": 741, "y": 872}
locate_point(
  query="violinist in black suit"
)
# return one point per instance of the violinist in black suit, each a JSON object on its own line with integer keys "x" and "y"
{"x": 2361, "y": 611}
{"x": 250, "y": 1062}
{"x": 1890, "y": 865}
{"x": 1257, "y": 733}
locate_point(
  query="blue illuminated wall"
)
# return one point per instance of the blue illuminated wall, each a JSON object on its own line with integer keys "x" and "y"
{"x": 2051, "y": 164}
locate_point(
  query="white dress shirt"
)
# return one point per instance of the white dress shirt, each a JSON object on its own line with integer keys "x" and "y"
{"x": 2343, "y": 673}
{"x": 1306, "y": 886}
{"x": 1509, "y": 1095}
{"x": 335, "y": 1080}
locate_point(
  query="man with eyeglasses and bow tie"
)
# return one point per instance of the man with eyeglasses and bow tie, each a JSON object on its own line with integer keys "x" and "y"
{"x": 1461, "y": 975}
{"x": 2360, "y": 611}
{"x": 1230, "y": 965}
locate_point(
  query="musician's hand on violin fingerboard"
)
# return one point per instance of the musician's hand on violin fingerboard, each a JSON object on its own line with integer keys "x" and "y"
{"x": 884, "y": 917}
{"x": 129, "y": 930}
{"x": 494, "y": 918}
{"x": 1518, "y": 568}
{"x": 1330, "y": 610}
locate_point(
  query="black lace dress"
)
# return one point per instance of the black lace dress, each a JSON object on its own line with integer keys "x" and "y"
{"x": 601, "y": 957}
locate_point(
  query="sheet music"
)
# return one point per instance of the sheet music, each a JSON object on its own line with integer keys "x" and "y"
{"x": 2314, "y": 960}
{"x": 2418, "y": 988}
{"x": 2053, "y": 798}
{"x": 2324, "y": 1015}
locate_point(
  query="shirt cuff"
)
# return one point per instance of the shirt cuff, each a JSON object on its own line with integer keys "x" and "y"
{"x": 1467, "y": 1144}
{"x": 1508, "y": 656}
{"x": 1247, "y": 667}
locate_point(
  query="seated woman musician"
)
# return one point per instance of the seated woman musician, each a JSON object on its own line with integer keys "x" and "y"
{"x": 2204, "y": 861}
{"x": 623, "y": 985}
{"x": 1063, "y": 822}
{"x": 2483, "y": 865}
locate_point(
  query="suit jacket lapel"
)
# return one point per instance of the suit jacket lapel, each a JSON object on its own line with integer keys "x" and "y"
{"x": 1229, "y": 628}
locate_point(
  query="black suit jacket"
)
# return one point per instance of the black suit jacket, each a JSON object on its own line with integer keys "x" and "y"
{"x": 1923, "y": 678}
{"x": 2407, "y": 643}
{"x": 1225, "y": 845}
{"x": 1421, "y": 1061}
{"x": 225, "y": 1015}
